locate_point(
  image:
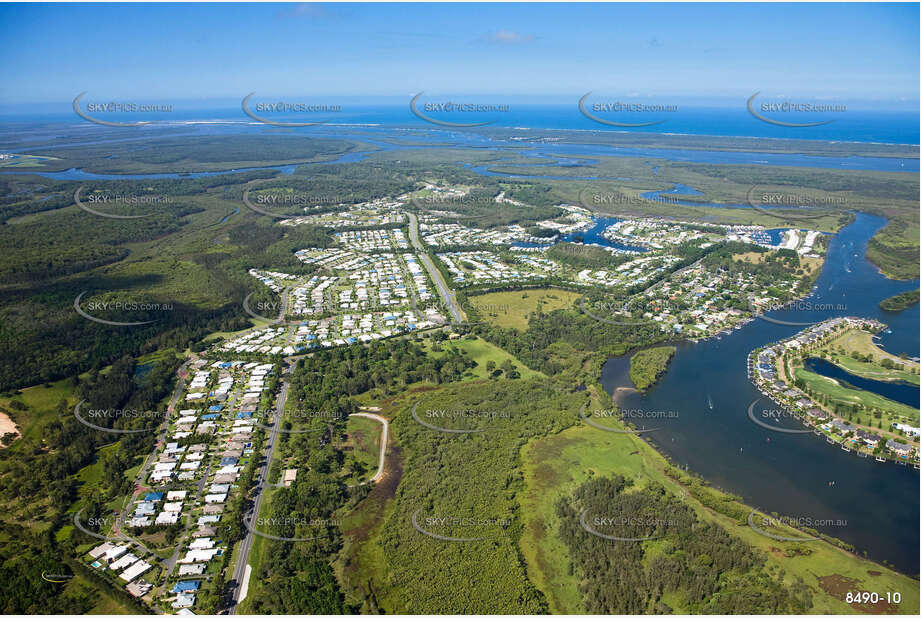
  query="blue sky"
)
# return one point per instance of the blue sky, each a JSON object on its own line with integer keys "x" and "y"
{"x": 50, "y": 53}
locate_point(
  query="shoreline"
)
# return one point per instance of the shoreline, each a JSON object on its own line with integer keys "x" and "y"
{"x": 823, "y": 419}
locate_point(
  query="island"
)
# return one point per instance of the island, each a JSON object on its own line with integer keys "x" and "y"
{"x": 901, "y": 301}
{"x": 647, "y": 365}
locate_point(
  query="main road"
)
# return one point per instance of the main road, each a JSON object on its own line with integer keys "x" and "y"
{"x": 446, "y": 293}
{"x": 241, "y": 572}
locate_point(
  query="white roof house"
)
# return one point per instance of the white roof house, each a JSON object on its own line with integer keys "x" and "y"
{"x": 192, "y": 569}
{"x": 113, "y": 553}
{"x": 124, "y": 561}
{"x": 100, "y": 549}
{"x": 183, "y": 599}
{"x": 198, "y": 555}
{"x": 167, "y": 519}
{"x": 134, "y": 570}
{"x": 202, "y": 543}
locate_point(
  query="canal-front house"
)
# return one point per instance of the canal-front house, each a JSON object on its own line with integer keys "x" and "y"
{"x": 899, "y": 449}
{"x": 870, "y": 439}
{"x": 817, "y": 414}
{"x": 840, "y": 425}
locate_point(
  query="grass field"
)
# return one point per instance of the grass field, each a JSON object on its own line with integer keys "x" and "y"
{"x": 837, "y": 393}
{"x": 860, "y": 341}
{"x": 810, "y": 265}
{"x": 555, "y": 465}
{"x": 42, "y": 403}
{"x": 482, "y": 352}
{"x": 363, "y": 444}
{"x": 511, "y": 309}
{"x": 24, "y": 160}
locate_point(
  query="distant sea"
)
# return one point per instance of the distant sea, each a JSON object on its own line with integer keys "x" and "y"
{"x": 862, "y": 125}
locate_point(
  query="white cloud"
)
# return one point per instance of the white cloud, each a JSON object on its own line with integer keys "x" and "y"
{"x": 506, "y": 37}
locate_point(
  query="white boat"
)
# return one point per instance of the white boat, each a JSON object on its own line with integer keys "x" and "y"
{"x": 880, "y": 459}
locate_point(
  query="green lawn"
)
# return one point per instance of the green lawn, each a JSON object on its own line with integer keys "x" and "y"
{"x": 482, "y": 352}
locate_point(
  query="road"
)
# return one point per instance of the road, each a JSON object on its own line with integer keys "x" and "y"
{"x": 241, "y": 573}
{"x": 446, "y": 293}
{"x": 139, "y": 486}
{"x": 385, "y": 433}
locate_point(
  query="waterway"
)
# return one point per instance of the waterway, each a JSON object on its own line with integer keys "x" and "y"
{"x": 901, "y": 392}
{"x": 793, "y": 474}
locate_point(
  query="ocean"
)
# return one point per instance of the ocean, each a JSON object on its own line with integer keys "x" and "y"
{"x": 858, "y": 125}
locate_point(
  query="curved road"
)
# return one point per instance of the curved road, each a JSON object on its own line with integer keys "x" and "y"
{"x": 385, "y": 432}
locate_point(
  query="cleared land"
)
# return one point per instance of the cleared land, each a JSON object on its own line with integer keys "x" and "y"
{"x": 482, "y": 352}
{"x": 362, "y": 446}
{"x": 511, "y": 309}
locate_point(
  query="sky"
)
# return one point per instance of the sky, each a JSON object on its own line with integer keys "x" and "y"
{"x": 691, "y": 52}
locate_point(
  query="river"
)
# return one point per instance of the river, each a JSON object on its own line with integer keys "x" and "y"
{"x": 798, "y": 475}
